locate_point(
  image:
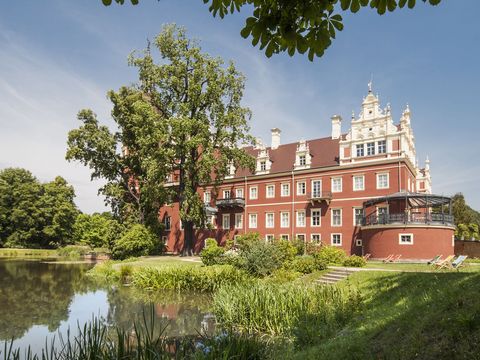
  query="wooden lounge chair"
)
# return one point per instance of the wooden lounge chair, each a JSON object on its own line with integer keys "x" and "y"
{"x": 396, "y": 258}
{"x": 445, "y": 263}
{"x": 367, "y": 256}
{"x": 388, "y": 258}
{"x": 458, "y": 262}
{"x": 435, "y": 260}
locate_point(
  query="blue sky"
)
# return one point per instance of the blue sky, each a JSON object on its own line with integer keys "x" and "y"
{"x": 57, "y": 57}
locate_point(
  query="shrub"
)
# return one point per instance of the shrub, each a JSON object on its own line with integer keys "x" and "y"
{"x": 354, "y": 261}
{"x": 137, "y": 241}
{"x": 286, "y": 251}
{"x": 303, "y": 264}
{"x": 259, "y": 258}
{"x": 210, "y": 255}
{"x": 126, "y": 272}
{"x": 312, "y": 248}
{"x": 247, "y": 240}
{"x": 300, "y": 245}
{"x": 104, "y": 271}
{"x": 331, "y": 255}
{"x": 284, "y": 275}
{"x": 73, "y": 251}
{"x": 188, "y": 277}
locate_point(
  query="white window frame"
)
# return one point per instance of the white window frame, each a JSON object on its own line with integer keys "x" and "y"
{"x": 384, "y": 147}
{"x": 273, "y": 220}
{"x": 388, "y": 181}
{"x": 229, "y": 192}
{"x": 334, "y": 190}
{"x": 359, "y": 242}
{"x": 240, "y": 193}
{"x": 228, "y": 218}
{"x": 263, "y": 165}
{"x": 282, "y": 225}
{"x": 311, "y": 217}
{"x": 331, "y": 239}
{"x": 238, "y": 224}
{"x": 267, "y": 195}
{"x": 250, "y": 217}
{"x": 304, "y": 188}
{"x": 302, "y": 234}
{"x": 355, "y": 217}
{"x": 304, "y": 218}
{"x": 370, "y": 149}
{"x": 269, "y": 237}
{"x": 250, "y": 192}
{"x": 316, "y": 194}
{"x": 405, "y": 243}
{"x": 302, "y": 159}
{"x": 355, "y": 183}
{"x": 287, "y": 192}
{"x": 207, "y": 197}
{"x": 331, "y": 217}
{"x": 357, "y": 148}
{"x": 285, "y": 237}
{"x": 319, "y": 238}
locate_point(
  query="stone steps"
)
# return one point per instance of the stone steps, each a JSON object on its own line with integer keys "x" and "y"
{"x": 334, "y": 276}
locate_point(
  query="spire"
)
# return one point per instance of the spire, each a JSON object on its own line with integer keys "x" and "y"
{"x": 370, "y": 84}
{"x": 427, "y": 164}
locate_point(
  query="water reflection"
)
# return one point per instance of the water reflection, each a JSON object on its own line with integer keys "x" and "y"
{"x": 38, "y": 300}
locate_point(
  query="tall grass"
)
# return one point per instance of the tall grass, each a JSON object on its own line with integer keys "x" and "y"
{"x": 40, "y": 253}
{"x": 299, "y": 311}
{"x": 188, "y": 277}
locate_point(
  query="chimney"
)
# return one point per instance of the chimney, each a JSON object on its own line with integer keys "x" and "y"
{"x": 275, "y": 138}
{"x": 336, "y": 126}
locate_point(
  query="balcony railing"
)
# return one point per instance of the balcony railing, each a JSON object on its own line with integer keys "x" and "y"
{"x": 320, "y": 196}
{"x": 387, "y": 219}
{"x": 231, "y": 202}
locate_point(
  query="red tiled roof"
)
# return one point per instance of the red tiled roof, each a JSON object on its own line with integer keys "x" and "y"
{"x": 324, "y": 152}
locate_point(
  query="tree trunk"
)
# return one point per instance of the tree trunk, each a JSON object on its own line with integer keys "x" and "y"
{"x": 188, "y": 240}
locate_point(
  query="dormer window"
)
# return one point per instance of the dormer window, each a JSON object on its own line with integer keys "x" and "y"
{"x": 371, "y": 148}
{"x": 360, "y": 150}
{"x": 302, "y": 160}
{"x": 263, "y": 165}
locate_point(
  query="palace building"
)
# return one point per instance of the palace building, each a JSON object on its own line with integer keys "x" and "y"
{"x": 362, "y": 191}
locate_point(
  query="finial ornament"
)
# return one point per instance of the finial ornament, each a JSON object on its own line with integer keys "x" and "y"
{"x": 370, "y": 87}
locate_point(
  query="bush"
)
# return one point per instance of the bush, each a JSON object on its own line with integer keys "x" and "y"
{"x": 284, "y": 275}
{"x": 126, "y": 272}
{"x": 247, "y": 240}
{"x": 73, "y": 251}
{"x": 259, "y": 258}
{"x": 137, "y": 241}
{"x": 331, "y": 255}
{"x": 188, "y": 277}
{"x": 355, "y": 261}
{"x": 312, "y": 248}
{"x": 303, "y": 264}
{"x": 210, "y": 255}
{"x": 286, "y": 251}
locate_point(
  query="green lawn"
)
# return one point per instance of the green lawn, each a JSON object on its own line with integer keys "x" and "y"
{"x": 166, "y": 260}
{"x": 416, "y": 267}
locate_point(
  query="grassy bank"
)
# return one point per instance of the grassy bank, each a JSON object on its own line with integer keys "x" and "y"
{"x": 26, "y": 253}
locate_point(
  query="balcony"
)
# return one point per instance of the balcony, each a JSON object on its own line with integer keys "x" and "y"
{"x": 319, "y": 196}
{"x": 410, "y": 219}
{"x": 231, "y": 203}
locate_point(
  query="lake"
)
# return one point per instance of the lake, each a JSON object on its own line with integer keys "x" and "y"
{"x": 41, "y": 299}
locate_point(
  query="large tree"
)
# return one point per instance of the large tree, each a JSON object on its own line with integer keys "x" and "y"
{"x": 183, "y": 118}
{"x": 296, "y": 25}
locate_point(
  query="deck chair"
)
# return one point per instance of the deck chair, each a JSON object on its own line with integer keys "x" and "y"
{"x": 434, "y": 260}
{"x": 396, "y": 258}
{"x": 367, "y": 256}
{"x": 445, "y": 263}
{"x": 458, "y": 262}
{"x": 388, "y": 258}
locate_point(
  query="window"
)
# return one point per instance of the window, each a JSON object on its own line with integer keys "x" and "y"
{"x": 358, "y": 183}
{"x": 239, "y": 193}
{"x": 270, "y": 191}
{"x": 207, "y": 197}
{"x": 360, "y": 150}
{"x": 301, "y": 188}
{"x": 209, "y": 220}
{"x": 301, "y": 218}
{"x": 359, "y": 242}
{"x": 226, "y": 221}
{"x": 302, "y": 159}
{"x": 300, "y": 237}
{"x": 371, "y": 148}
{"x": 357, "y": 216}
{"x": 226, "y": 194}
{"x": 316, "y": 188}
{"x": 405, "y": 239}
{"x": 337, "y": 184}
{"x": 285, "y": 219}
{"x": 382, "y": 181}
{"x": 253, "y": 192}
{"x": 316, "y": 238}
{"x": 252, "y": 221}
{"x": 168, "y": 223}
{"x": 336, "y": 217}
{"x": 269, "y": 238}
{"x": 382, "y": 146}
{"x": 286, "y": 189}
{"x": 316, "y": 217}
{"x": 336, "y": 240}
{"x": 238, "y": 221}
{"x": 164, "y": 239}
{"x": 284, "y": 237}
{"x": 270, "y": 220}
{"x": 263, "y": 165}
